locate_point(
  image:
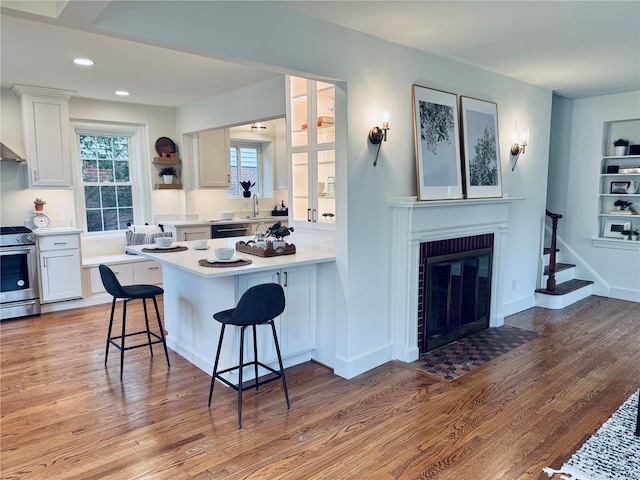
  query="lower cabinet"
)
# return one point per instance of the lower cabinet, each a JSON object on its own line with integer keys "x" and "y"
{"x": 147, "y": 272}
{"x": 185, "y": 234}
{"x": 60, "y": 267}
{"x": 296, "y": 327}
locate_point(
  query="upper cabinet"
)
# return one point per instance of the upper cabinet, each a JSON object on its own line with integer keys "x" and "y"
{"x": 311, "y": 139}
{"x": 214, "y": 164}
{"x": 45, "y": 131}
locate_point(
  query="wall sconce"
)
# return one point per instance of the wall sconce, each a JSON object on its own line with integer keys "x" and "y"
{"x": 377, "y": 135}
{"x": 518, "y": 148}
{"x": 258, "y": 128}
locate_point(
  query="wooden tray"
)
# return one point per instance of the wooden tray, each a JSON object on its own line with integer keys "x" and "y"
{"x": 252, "y": 249}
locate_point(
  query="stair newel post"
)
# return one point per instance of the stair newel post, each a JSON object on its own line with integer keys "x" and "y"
{"x": 551, "y": 280}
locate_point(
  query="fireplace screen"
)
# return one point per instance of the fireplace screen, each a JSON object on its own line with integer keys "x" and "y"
{"x": 458, "y": 296}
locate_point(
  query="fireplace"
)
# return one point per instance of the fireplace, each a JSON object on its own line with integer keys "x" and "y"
{"x": 455, "y": 284}
{"x": 416, "y": 223}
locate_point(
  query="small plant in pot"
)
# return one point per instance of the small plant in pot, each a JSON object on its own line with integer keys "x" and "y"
{"x": 39, "y": 204}
{"x": 626, "y": 234}
{"x": 620, "y": 146}
{"x": 246, "y": 187}
{"x": 622, "y": 204}
{"x": 278, "y": 232}
{"x": 167, "y": 174}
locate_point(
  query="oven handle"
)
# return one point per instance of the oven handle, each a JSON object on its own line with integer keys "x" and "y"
{"x": 15, "y": 250}
{"x": 225, "y": 230}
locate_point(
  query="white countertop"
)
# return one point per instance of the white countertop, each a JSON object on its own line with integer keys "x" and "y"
{"x": 235, "y": 220}
{"x": 187, "y": 260}
{"x": 43, "y": 232}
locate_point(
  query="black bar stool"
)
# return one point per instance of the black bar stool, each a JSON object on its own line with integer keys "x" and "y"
{"x": 128, "y": 293}
{"x": 259, "y": 305}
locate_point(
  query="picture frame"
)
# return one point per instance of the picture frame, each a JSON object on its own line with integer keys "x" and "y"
{"x": 614, "y": 228}
{"x": 620, "y": 187}
{"x": 437, "y": 144}
{"x": 481, "y": 148}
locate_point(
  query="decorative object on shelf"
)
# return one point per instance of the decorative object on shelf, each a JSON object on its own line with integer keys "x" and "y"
{"x": 165, "y": 147}
{"x": 613, "y": 168}
{"x": 247, "y": 186}
{"x": 376, "y": 135}
{"x": 519, "y": 147}
{"x": 636, "y": 234}
{"x": 626, "y": 234}
{"x": 270, "y": 250}
{"x": 481, "y": 152}
{"x": 614, "y": 228}
{"x": 621, "y": 188}
{"x": 330, "y": 187}
{"x": 620, "y": 146}
{"x": 622, "y": 205}
{"x": 258, "y": 128}
{"x": 280, "y": 210}
{"x": 39, "y": 204}
{"x": 167, "y": 174}
{"x": 634, "y": 149}
{"x": 436, "y": 143}
{"x": 328, "y": 217}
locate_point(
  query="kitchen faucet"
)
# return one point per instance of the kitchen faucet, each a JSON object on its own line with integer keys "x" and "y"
{"x": 254, "y": 206}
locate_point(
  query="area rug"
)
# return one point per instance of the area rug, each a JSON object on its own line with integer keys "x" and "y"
{"x": 612, "y": 453}
{"x": 465, "y": 355}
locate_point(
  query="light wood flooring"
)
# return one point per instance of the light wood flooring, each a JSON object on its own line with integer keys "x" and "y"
{"x": 64, "y": 415}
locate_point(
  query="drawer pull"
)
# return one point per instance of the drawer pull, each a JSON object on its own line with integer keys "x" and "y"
{"x": 154, "y": 268}
{"x": 59, "y": 243}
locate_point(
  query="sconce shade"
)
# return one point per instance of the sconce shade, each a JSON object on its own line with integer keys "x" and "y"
{"x": 258, "y": 128}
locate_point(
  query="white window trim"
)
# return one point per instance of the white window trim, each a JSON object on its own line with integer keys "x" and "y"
{"x": 140, "y": 173}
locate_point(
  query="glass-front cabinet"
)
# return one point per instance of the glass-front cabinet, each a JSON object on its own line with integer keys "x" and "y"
{"x": 311, "y": 140}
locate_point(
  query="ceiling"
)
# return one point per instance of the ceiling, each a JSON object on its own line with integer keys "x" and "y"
{"x": 574, "y": 48}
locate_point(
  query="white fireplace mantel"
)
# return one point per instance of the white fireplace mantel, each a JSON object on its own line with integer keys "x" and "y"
{"x": 413, "y": 223}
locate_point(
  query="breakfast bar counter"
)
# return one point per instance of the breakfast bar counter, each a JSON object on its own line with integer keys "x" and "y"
{"x": 193, "y": 293}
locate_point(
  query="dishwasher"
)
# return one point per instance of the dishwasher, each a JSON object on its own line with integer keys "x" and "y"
{"x": 230, "y": 230}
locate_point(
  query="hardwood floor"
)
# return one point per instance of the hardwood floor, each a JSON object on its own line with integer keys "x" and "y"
{"x": 64, "y": 415}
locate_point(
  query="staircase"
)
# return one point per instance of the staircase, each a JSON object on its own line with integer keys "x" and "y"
{"x": 560, "y": 289}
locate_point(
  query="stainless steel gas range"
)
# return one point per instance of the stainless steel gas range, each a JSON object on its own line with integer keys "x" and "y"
{"x": 19, "y": 295}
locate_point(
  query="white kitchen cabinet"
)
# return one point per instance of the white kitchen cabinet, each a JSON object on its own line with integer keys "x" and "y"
{"x": 214, "y": 163}
{"x": 187, "y": 233}
{"x": 147, "y": 272}
{"x": 296, "y": 327}
{"x": 311, "y": 142}
{"x": 60, "y": 267}
{"x": 45, "y": 123}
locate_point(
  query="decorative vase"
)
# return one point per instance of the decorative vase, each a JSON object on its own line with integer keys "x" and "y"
{"x": 278, "y": 243}
{"x": 167, "y": 179}
{"x": 246, "y": 194}
{"x": 621, "y": 151}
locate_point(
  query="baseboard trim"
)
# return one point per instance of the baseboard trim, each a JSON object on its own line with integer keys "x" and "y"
{"x": 349, "y": 368}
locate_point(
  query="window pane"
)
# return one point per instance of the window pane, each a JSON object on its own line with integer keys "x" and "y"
{"x": 105, "y": 170}
{"x": 121, "y": 148}
{"x": 103, "y": 147}
{"x": 94, "y": 220}
{"x": 234, "y": 187}
{"x": 92, "y": 197}
{"x": 108, "y": 195}
{"x": 124, "y": 196}
{"x": 110, "y": 219}
{"x": 121, "y": 171}
{"x": 87, "y": 146}
{"x": 126, "y": 216}
{"x": 89, "y": 170}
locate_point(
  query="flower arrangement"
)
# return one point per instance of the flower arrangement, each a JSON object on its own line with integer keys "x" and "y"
{"x": 278, "y": 231}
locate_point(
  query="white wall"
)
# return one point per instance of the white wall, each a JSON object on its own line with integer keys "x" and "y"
{"x": 378, "y": 77}
{"x": 575, "y": 156}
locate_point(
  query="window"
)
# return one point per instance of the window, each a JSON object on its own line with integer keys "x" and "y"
{"x": 246, "y": 160}
{"x": 106, "y": 181}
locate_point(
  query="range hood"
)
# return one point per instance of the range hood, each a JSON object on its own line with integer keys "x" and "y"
{"x": 8, "y": 154}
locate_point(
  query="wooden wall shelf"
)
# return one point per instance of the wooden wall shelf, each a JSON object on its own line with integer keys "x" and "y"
{"x": 166, "y": 160}
{"x": 167, "y": 186}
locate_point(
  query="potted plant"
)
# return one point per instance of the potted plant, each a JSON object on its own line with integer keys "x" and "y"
{"x": 328, "y": 217}
{"x": 39, "y": 204}
{"x": 626, "y": 234}
{"x": 622, "y": 204}
{"x": 247, "y": 186}
{"x": 167, "y": 174}
{"x": 278, "y": 232}
{"x": 620, "y": 146}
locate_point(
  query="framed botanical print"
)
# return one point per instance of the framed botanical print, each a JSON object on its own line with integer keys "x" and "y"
{"x": 437, "y": 144}
{"x": 483, "y": 177}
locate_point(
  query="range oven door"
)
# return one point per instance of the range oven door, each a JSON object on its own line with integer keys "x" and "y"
{"x": 18, "y": 282}
{"x": 230, "y": 230}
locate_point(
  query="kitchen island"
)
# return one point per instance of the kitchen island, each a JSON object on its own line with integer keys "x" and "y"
{"x": 193, "y": 293}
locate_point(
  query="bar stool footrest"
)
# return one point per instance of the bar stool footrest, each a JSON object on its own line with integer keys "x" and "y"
{"x": 252, "y": 385}
{"x": 112, "y": 340}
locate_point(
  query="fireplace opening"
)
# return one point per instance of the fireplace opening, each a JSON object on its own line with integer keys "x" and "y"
{"x": 455, "y": 284}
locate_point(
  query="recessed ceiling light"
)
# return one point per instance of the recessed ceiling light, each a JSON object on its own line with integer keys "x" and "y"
{"x": 122, "y": 93}
{"x": 83, "y": 61}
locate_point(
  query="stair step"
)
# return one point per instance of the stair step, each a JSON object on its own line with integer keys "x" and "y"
{"x": 559, "y": 267}
{"x": 566, "y": 287}
{"x": 547, "y": 250}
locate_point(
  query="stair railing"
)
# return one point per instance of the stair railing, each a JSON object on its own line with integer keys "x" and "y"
{"x": 551, "y": 279}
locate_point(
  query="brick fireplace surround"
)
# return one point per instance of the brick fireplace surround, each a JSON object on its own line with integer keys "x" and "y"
{"x": 413, "y": 223}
